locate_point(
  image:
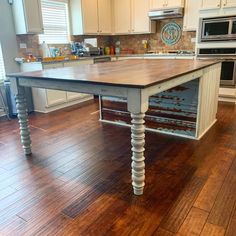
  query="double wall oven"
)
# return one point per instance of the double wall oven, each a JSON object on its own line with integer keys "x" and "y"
{"x": 214, "y": 36}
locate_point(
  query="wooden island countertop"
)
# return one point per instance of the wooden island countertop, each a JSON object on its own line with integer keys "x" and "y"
{"x": 135, "y": 73}
{"x": 136, "y": 81}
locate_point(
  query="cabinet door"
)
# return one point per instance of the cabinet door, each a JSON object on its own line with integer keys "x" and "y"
{"x": 140, "y": 19}
{"x": 191, "y": 15}
{"x": 33, "y": 16}
{"x": 104, "y": 17}
{"x": 210, "y": 4}
{"x": 122, "y": 16}
{"x": 176, "y": 3}
{"x": 71, "y": 96}
{"x": 54, "y": 97}
{"x": 229, "y": 3}
{"x": 158, "y": 4}
{"x": 90, "y": 16}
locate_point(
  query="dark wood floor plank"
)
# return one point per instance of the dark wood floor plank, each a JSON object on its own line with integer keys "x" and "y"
{"x": 177, "y": 214}
{"x": 231, "y": 229}
{"x": 194, "y": 222}
{"x": 215, "y": 180}
{"x": 212, "y": 230}
{"x": 162, "y": 232}
{"x": 223, "y": 207}
{"x": 77, "y": 182}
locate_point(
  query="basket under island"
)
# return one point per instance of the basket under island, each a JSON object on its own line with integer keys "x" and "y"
{"x": 181, "y": 96}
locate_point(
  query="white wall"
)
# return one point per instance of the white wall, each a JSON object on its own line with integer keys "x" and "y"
{"x": 8, "y": 37}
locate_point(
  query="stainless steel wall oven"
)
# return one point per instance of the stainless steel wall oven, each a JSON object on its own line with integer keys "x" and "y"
{"x": 228, "y": 55}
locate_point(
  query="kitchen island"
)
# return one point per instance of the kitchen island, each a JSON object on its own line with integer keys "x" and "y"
{"x": 133, "y": 80}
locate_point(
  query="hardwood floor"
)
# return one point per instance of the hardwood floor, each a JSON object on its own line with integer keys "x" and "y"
{"x": 77, "y": 182}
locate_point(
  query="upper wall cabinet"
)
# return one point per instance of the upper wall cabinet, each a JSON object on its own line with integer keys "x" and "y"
{"x": 131, "y": 17}
{"x": 155, "y": 4}
{"x": 104, "y": 16}
{"x": 91, "y": 17}
{"x": 214, "y": 4}
{"x": 228, "y": 3}
{"x": 27, "y": 16}
{"x": 122, "y": 16}
{"x": 191, "y": 15}
{"x": 211, "y": 4}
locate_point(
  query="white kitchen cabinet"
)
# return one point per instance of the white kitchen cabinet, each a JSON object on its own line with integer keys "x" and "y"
{"x": 54, "y": 97}
{"x": 122, "y": 16}
{"x": 90, "y": 17}
{"x": 27, "y": 16}
{"x": 140, "y": 22}
{"x": 155, "y": 4}
{"x": 104, "y": 16}
{"x": 222, "y": 5}
{"x": 211, "y": 4}
{"x": 175, "y": 3}
{"x": 47, "y": 100}
{"x": 228, "y": 3}
{"x": 191, "y": 15}
{"x": 166, "y": 3}
{"x": 70, "y": 96}
{"x": 131, "y": 17}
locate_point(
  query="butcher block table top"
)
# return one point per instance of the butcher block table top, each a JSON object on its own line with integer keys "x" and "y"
{"x": 128, "y": 73}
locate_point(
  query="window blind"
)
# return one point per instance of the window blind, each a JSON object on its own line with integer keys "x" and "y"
{"x": 2, "y": 69}
{"x": 55, "y": 22}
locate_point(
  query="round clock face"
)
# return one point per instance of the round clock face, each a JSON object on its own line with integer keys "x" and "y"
{"x": 171, "y": 33}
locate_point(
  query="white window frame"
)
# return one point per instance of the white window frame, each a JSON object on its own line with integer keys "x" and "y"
{"x": 2, "y": 67}
{"x": 55, "y": 39}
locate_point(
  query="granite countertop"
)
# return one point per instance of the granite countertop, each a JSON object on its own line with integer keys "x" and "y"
{"x": 120, "y": 55}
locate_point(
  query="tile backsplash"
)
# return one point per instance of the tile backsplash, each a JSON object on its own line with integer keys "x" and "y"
{"x": 133, "y": 42}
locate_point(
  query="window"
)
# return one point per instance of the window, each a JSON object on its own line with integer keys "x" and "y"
{"x": 55, "y": 22}
{"x": 2, "y": 69}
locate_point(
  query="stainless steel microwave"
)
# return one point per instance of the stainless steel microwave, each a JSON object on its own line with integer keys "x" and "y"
{"x": 217, "y": 29}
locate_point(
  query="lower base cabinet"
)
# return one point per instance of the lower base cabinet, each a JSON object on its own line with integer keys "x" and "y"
{"x": 47, "y": 100}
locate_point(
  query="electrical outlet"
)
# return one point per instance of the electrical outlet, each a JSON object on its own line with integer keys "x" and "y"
{"x": 23, "y": 45}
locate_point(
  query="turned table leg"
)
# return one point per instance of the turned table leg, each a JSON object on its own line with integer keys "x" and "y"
{"x": 23, "y": 121}
{"x": 137, "y": 142}
{"x": 137, "y": 106}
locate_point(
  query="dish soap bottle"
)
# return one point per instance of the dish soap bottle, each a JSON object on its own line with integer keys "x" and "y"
{"x": 45, "y": 50}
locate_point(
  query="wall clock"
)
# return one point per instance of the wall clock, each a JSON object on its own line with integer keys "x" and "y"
{"x": 171, "y": 33}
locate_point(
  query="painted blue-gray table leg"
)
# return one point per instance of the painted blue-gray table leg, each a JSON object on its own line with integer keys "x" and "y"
{"x": 22, "y": 115}
{"x": 23, "y": 121}
{"x": 137, "y": 106}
